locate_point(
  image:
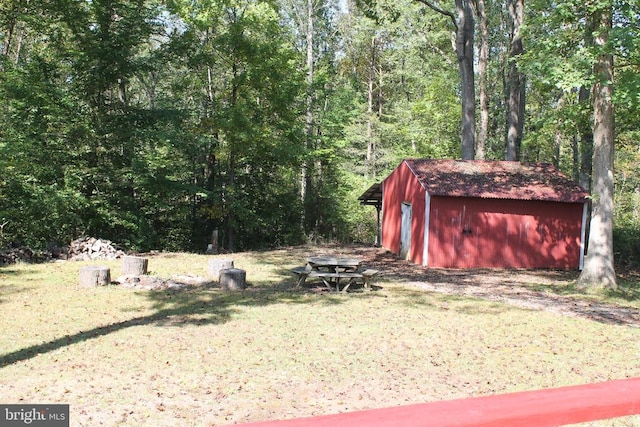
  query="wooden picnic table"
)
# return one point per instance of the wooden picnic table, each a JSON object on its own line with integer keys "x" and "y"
{"x": 333, "y": 264}
{"x": 331, "y": 269}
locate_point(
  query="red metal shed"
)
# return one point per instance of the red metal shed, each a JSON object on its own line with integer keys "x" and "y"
{"x": 475, "y": 214}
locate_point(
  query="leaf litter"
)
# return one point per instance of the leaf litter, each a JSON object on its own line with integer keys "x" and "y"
{"x": 275, "y": 351}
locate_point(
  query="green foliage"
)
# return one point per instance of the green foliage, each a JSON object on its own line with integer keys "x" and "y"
{"x": 153, "y": 123}
{"x": 627, "y": 201}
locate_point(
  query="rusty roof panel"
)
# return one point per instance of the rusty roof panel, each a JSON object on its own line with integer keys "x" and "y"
{"x": 495, "y": 180}
{"x": 373, "y": 195}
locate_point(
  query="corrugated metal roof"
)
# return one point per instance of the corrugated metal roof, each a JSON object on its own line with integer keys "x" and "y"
{"x": 495, "y": 180}
{"x": 373, "y": 195}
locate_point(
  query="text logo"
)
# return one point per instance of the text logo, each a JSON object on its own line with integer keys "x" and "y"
{"x": 34, "y": 415}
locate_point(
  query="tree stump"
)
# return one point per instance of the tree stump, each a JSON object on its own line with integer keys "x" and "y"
{"x": 233, "y": 279}
{"x": 94, "y": 275}
{"x": 134, "y": 265}
{"x": 217, "y": 264}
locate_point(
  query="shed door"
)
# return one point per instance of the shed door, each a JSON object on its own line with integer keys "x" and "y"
{"x": 405, "y": 231}
{"x": 458, "y": 228}
{"x": 468, "y": 254}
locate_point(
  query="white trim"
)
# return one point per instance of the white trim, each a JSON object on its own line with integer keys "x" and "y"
{"x": 427, "y": 220}
{"x": 583, "y": 233}
{"x": 381, "y": 230}
{"x": 406, "y": 229}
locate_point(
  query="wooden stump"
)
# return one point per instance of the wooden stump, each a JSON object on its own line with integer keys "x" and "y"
{"x": 134, "y": 265}
{"x": 233, "y": 279}
{"x": 217, "y": 264}
{"x": 94, "y": 275}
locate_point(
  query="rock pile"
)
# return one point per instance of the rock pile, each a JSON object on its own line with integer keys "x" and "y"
{"x": 154, "y": 283}
{"x": 21, "y": 254}
{"x": 82, "y": 249}
{"x": 90, "y": 248}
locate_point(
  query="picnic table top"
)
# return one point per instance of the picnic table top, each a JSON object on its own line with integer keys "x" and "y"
{"x": 334, "y": 275}
{"x": 333, "y": 261}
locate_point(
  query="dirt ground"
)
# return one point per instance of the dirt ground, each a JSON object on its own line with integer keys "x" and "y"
{"x": 499, "y": 285}
{"x": 128, "y": 357}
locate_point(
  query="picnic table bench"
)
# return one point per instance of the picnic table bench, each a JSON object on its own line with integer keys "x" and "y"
{"x": 334, "y": 277}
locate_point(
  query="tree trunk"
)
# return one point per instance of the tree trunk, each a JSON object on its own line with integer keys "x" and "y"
{"x": 599, "y": 271}
{"x": 122, "y": 92}
{"x": 464, "y": 24}
{"x": 230, "y": 193}
{"x": 8, "y": 36}
{"x": 133, "y": 265}
{"x": 18, "y": 27}
{"x": 372, "y": 76}
{"x": 216, "y": 265}
{"x": 94, "y": 275}
{"x": 515, "y": 119}
{"x": 233, "y": 279}
{"x": 483, "y": 61}
{"x": 309, "y": 119}
{"x": 559, "y": 134}
{"x": 586, "y": 142}
{"x": 585, "y": 129}
{"x": 379, "y": 116}
{"x": 464, "y": 50}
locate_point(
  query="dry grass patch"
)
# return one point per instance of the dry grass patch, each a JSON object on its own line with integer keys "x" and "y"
{"x": 122, "y": 357}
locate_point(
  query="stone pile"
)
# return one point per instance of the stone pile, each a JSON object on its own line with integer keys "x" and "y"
{"x": 21, "y": 254}
{"x": 90, "y": 248}
{"x": 154, "y": 283}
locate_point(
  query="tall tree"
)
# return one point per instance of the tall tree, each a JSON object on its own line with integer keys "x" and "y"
{"x": 371, "y": 94}
{"x": 311, "y": 22}
{"x": 464, "y": 23}
{"x": 584, "y": 129}
{"x": 516, "y": 82}
{"x": 12, "y": 28}
{"x": 483, "y": 63}
{"x": 309, "y": 106}
{"x": 599, "y": 270}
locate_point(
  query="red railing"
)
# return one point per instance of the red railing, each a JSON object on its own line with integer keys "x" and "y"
{"x": 550, "y": 407}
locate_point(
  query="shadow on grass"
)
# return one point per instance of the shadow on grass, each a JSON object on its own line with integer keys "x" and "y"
{"x": 552, "y": 290}
{"x": 197, "y": 306}
{"x": 207, "y": 306}
{"x": 10, "y": 272}
{"x": 461, "y": 304}
{"x": 627, "y": 291}
{"x": 494, "y": 308}
{"x": 416, "y": 298}
{"x": 7, "y": 290}
{"x": 182, "y": 312}
{"x": 7, "y": 274}
{"x": 628, "y": 288}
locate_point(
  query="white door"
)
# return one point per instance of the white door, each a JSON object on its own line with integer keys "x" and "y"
{"x": 405, "y": 231}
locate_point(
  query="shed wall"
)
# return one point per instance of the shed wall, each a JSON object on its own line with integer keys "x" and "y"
{"x": 474, "y": 233}
{"x": 402, "y": 186}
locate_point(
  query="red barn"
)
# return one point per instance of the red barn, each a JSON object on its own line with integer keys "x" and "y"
{"x": 475, "y": 214}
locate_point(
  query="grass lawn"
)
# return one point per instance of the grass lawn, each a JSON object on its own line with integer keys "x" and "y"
{"x": 203, "y": 357}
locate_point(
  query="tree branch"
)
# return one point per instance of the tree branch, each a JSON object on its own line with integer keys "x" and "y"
{"x": 440, "y": 52}
{"x": 441, "y": 11}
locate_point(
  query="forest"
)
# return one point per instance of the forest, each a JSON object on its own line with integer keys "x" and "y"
{"x": 152, "y": 123}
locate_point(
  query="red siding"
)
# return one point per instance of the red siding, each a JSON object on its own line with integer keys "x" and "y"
{"x": 399, "y": 187}
{"x": 475, "y": 232}
{"x": 470, "y": 233}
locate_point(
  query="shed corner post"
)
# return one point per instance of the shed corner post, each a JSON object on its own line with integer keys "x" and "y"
{"x": 379, "y": 230}
{"x": 427, "y": 219}
{"x": 380, "y": 215}
{"x": 583, "y": 233}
